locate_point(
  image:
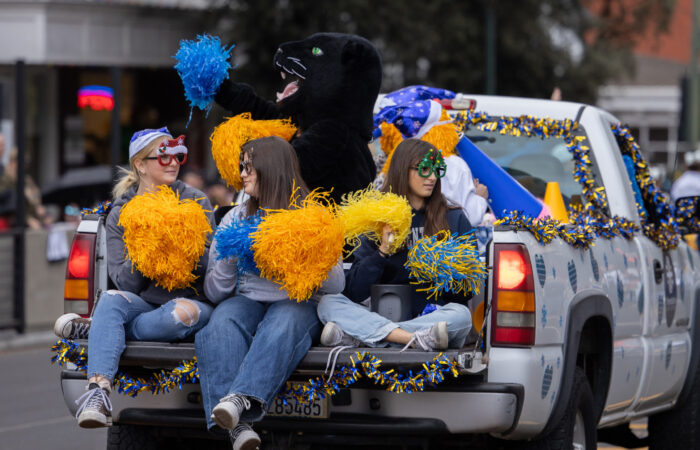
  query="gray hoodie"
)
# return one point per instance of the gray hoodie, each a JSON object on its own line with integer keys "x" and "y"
{"x": 129, "y": 279}
{"x": 222, "y": 280}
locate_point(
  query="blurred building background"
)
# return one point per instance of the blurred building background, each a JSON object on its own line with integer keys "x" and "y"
{"x": 651, "y": 99}
{"x": 58, "y": 47}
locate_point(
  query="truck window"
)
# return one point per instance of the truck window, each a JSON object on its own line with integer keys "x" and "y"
{"x": 534, "y": 162}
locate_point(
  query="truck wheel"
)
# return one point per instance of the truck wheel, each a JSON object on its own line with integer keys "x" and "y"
{"x": 577, "y": 429}
{"x": 678, "y": 428}
{"x": 130, "y": 437}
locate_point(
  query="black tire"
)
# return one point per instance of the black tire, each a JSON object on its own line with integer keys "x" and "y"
{"x": 562, "y": 436}
{"x": 678, "y": 428}
{"x": 131, "y": 437}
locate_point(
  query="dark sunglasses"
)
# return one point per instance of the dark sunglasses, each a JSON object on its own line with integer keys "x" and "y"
{"x": 245, "y": 165}
{"x": 165, "y": 159}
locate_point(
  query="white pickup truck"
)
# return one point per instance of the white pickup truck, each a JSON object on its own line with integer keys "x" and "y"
{"x": 576, "y": 343}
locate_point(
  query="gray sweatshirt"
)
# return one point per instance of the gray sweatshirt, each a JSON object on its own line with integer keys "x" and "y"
{"x": 222, "y": 282}
{"x": 129, "y": 279}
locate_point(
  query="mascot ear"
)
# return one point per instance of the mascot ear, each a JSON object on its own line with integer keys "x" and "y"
{"x": 353, "y": 52}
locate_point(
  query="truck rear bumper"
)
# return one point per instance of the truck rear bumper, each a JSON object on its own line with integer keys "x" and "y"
{"x": 457, "y": 409}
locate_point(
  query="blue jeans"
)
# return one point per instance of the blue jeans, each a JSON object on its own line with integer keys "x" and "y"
{"x": 371, "y": 328}
{"x": 250, "y": 348}
{"x": 122, "y": 316}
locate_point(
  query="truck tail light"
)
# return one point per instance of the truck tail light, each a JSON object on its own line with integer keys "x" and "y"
{"x": 460, "y": 102}
{"x": 513, "y": 303}
{"x": 78, "y": 290}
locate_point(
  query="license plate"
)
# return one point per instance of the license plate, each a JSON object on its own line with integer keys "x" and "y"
{"x": 316, "y": 410}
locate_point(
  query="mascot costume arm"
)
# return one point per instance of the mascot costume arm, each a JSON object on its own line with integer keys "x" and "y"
{"x": 331, "y": 82}
{"x": 240, "y": 97}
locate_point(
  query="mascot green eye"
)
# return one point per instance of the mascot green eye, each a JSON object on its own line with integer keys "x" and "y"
{"x": 316, "y": 51}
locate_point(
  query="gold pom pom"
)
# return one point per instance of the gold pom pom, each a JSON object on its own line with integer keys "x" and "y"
{"x": 366, "y": 212}
{"x": 228, "y": 138}
{"x": 165, "y": 236}
{"x": 444, "y": 137}
{"x": 298, "y": 247}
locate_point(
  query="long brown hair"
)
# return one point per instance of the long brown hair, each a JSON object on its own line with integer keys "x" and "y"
{"x": 407, "y": 155}
{"x": 277, "y": 170}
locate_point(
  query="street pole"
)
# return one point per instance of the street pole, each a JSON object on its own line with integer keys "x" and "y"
{"x": 490, "y": 48}
{"x": 20, "y": 207}
{"x": 693, "y": 107}
{"x": 115, "y": 125}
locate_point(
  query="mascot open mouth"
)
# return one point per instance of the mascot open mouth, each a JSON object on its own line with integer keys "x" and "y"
{"x": 291, "y": 88}
{"x": 292, "y": 69}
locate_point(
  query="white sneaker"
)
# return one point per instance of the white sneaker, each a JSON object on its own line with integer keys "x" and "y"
{"x": 72, "y": 326}
{"x": 430, "y": 339}
{"x": 243, "y": 437}
{"x": 227, "y": 412}
{"x": 333, "y": 336}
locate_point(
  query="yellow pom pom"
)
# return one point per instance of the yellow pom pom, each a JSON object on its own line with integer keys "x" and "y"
{"x": 227, "y": 139}
{"x": 444, "y": 137}
{"x": 298, "y": 247}
{"x": 165, "y": 236}
{"x": 366, "y": 212}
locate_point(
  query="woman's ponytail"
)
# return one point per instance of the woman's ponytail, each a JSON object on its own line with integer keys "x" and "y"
{"x": 128, "y": 179}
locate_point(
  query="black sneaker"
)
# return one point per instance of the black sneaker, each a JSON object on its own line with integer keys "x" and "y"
{"x": 243, "y": 437}
{"x": 72, "y": 326}
{"x": 95, "y": 408}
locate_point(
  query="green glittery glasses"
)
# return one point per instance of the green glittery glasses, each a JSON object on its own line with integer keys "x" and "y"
{"x": 432, "y": 162}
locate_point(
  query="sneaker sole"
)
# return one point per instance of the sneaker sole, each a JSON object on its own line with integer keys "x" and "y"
{"x": 60, "y": 325}
{"x": 93, "y": 419}
{"x": 248, "y": 441}
{"x": 443, "y": 337}
{"x": 327, "y": 336}
{"x": 222, "y": 417}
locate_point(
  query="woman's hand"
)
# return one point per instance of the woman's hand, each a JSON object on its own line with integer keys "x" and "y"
{"x": 387, "y": 239}
{"x": 481, "y": 189}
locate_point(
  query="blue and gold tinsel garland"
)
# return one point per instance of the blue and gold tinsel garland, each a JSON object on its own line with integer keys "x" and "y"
{"x": 364, "y": 364}
{"x": 685, "y": 215}
{"x": 664, "y": 230}
{"x": 103, "y": 208}
{"x": 160, "y": 382}
{"x": 590, "y": 220}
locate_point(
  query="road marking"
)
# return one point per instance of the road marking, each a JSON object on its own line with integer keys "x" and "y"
{"x": 37, "y": 424}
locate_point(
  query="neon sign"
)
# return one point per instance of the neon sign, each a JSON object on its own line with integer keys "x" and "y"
{"x": 97, "y": 98}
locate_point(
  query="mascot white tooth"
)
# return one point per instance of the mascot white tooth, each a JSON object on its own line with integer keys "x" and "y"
{"x": 330, "y": 84}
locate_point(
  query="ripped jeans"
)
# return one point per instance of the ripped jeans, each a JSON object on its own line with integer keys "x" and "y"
{"x": 122, "y": 316}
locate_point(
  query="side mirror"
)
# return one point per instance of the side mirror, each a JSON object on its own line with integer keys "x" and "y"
{"x": 687, "y": 214}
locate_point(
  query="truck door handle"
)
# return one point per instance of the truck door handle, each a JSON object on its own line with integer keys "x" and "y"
{"x": 658, "y": 271}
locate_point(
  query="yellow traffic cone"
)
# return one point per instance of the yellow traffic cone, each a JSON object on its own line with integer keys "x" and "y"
{"x": 553, "y": 199}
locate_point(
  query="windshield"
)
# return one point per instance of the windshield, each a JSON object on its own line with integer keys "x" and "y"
{"x": 532, "y": 161}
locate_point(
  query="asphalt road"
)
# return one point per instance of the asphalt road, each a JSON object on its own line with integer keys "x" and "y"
{"x": 32, "y": 412}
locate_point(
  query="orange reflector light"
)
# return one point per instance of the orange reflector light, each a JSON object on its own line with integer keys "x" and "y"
{"x": 76, "y": 289}
{"x": 516, "y": 301}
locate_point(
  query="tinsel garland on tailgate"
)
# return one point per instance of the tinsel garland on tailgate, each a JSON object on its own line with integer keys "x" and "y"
{"x": 367, "y": 365}
{"x": 588, "y": 221}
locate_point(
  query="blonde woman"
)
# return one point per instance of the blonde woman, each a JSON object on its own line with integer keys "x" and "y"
{"x": 137, "y": 309}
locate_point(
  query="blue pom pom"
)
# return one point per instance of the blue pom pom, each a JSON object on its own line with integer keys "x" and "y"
{"x": 234, "y": 241}
{"x": 202, "y": 65}
{"x": 446, "y": 263}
